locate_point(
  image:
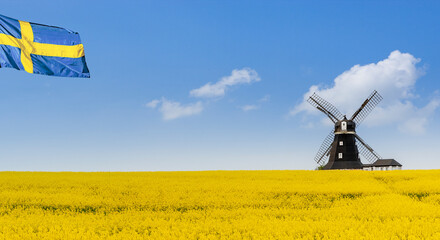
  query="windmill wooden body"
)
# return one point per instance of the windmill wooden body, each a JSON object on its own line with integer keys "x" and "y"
{"x": 342, "y": 146}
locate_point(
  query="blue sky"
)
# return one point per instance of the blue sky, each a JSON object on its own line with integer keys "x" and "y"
{"x": 142, "y": 51}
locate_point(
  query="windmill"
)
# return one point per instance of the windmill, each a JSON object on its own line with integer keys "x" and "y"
{"x": 343, "y": 145}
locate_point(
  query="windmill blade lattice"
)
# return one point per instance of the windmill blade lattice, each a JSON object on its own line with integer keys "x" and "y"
{"x": 366, "y": 107}
{"x": 325, "y": 147}
{"x": 371, "y": 157}
{"x": 322, "y": 104}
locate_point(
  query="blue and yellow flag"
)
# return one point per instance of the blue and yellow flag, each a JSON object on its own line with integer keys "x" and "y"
{"x": 41, "y": 49}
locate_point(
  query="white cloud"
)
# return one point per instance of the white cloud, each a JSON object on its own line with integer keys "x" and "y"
{"x": 249, "y": 107}
{"x": 394, "y": 78}
{"x": 416, "y": 122}
{"x": 266, "y": 98}
{"x": 172, "y": 110}
{"x": 260, "y": 102}
{"x": 153, "y": 104}
{"x": 238, "y": 76}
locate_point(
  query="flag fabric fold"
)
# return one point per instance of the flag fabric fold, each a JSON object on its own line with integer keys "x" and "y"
{"x": 41, "y": 49}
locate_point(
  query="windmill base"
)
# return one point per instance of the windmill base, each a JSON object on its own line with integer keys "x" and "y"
{"x": 343, "y": 165}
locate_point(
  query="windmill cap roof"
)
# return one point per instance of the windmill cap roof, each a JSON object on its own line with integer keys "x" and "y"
{"x": 386, "y": 162}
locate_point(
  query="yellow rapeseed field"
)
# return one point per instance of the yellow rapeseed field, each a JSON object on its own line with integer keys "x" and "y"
{"x": 221, "y": 205}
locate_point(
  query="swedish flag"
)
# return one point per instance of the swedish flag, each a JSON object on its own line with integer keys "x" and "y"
{"x": 41, "y": 49}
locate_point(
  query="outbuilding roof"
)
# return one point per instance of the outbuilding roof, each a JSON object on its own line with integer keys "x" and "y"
{"x": 384, "y": 162}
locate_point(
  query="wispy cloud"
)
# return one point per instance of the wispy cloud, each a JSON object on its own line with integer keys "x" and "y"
{"x": 172, "y": 110}
{"x": 247, "y": 108}
{"x": 218, "y": 89}
{"x": 266, "y": 98}
{"x": 153, "y": 104}
{"x": 260, "y": 102}
{"x": 394, "y": 78}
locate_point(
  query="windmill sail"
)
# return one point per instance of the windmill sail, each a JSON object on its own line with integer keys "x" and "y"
{"x": 325, "y": 107}
{"x": 366, "y": 107}
{"x": 366, "y": 151}
{"x": 323, "y": 151}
